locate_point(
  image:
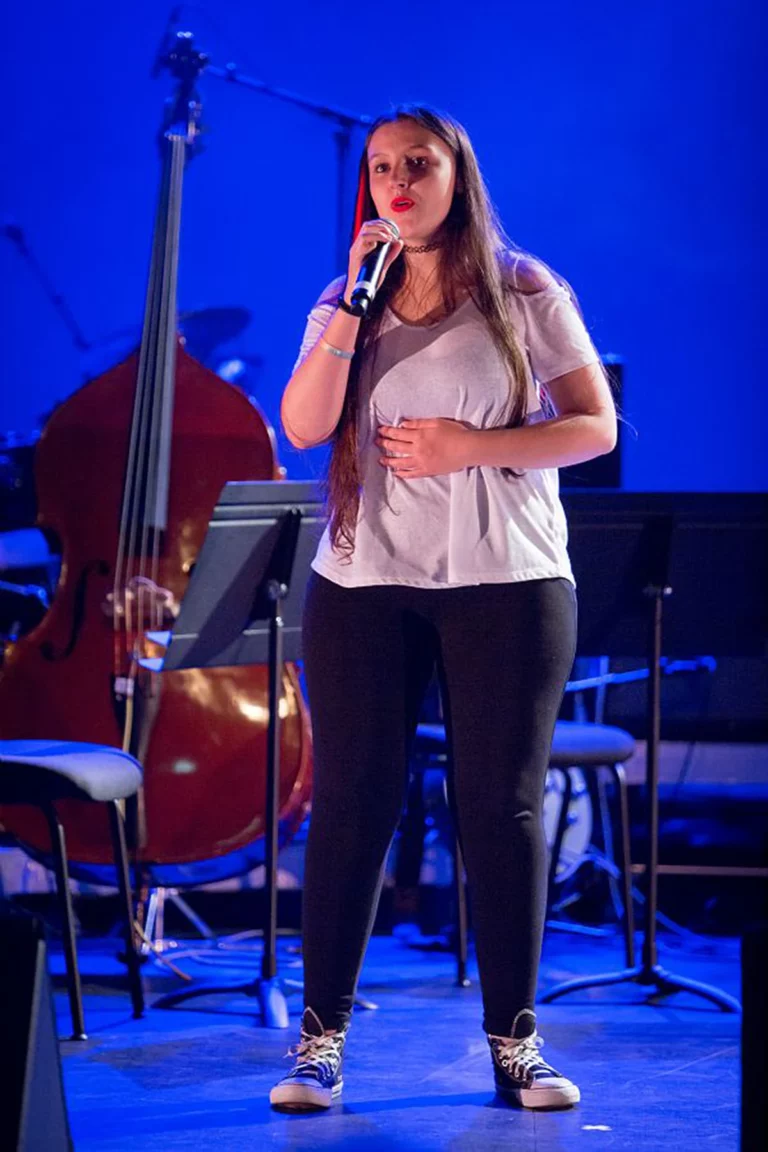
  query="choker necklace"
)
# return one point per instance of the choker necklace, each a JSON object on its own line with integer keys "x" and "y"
{"x": 423, "y": 247}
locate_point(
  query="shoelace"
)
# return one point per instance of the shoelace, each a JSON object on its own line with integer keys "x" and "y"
{"x": 520, "y": 1056}
{"x": 317, "y": 1050}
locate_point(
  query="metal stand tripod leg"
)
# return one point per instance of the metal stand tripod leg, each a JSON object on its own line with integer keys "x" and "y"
{"x": 462, "y": 927}
{"x": 269, "y": 989}
{"x": 655, "y": 976}
{"x": 625, "y": 866}
{"x": 649, "y": 973}
{"x": 120, "y": 851}
{"x": 74, "y": 990}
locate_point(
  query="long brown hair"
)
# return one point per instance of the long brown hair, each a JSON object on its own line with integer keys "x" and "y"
{"x": 474, "y": 255}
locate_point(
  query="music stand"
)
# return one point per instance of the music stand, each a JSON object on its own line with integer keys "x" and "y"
{"x": 654, "y": 544}
{"x": 243, "y": 606}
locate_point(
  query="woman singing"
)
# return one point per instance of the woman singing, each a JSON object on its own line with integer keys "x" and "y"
{"x": 446, "y": 547}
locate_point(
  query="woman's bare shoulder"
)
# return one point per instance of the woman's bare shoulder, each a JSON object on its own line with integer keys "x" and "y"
{"x": 331, "y": 292}
{"x": 525, "y": 274}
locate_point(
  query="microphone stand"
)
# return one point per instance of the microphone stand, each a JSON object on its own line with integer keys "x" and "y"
{"x": 344, "y": 120}
{"x": 15, "y": 233}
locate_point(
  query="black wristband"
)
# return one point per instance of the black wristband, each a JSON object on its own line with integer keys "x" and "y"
{"x": 349, "y": 308}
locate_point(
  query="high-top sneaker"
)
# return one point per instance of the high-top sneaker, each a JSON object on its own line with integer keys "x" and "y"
{"x": 520, "y": 1072}
{"x": 315, "y": 1080}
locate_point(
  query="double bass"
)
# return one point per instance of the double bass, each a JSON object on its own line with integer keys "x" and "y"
{"x": 128, "y": 470}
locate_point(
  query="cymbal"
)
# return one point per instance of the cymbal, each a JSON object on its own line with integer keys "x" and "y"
{"x": 203, "y": 330}
{"x": 206, "y": 328}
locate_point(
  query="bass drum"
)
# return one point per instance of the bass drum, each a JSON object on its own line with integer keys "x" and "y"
{"x": 578, "y": 828}
{"x": 29, "y": 573}
{"x": 18, "y": 507}
{"x": 29, "y": 569}
{"x": 211, "y": 871}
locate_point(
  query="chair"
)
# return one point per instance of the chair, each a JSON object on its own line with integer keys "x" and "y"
{"x": 591, "y": 747}
{"x": 430, "y": 748}
{"x": 42, "y": 772}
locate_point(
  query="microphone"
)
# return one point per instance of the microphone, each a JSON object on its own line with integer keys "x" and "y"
{"x": 367, "y": 282}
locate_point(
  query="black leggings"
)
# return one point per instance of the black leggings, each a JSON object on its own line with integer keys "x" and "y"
{"x": 503, "y": 653}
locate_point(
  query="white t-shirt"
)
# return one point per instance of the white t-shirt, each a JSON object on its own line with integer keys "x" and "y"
{"x": 481, "y": 525}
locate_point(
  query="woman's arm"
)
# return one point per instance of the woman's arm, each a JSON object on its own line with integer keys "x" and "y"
{"x": 585, "y": 421}
{"x": 314, "y": 395}
{"x": 313, "y": 398}
{"x": 584, "y": 427}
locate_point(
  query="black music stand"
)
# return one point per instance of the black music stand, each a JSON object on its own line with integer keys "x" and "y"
{"x": 243, "y": 606}
{"x": 651, "y": 545}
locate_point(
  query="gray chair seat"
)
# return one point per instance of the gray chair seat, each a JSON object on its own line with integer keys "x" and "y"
{"x": 42, "y": 772}
{"x": 585, "y": 744}
{"x": 60, "y": 770}
{"x": 572, "y": 743}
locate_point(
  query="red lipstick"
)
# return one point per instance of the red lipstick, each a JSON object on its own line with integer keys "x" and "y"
{"x": 402, "y": 204}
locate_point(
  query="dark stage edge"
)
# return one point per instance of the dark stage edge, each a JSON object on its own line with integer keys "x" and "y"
{"x": 417, "y": 1071}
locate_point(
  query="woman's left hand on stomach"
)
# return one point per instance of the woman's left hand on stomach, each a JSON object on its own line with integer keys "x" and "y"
{"x": 418, "y": 448}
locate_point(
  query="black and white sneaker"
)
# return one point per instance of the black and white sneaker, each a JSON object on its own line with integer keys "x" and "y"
{"x": 520, "y": 1072}
{"x": 315, "y": 1080}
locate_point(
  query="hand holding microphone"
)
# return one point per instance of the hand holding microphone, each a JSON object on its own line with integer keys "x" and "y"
{"x": 376, "y": 246}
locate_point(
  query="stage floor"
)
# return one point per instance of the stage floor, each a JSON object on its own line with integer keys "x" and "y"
{"x": 417, "y": 1071}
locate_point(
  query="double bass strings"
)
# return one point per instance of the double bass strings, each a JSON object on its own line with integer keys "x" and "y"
{"x": 163, "y": 393}
{"x": 137, "y": 450}
{"x": 138, "y": 601}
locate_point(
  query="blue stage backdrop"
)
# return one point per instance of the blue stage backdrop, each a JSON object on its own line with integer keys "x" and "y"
{"x": 623, "y": 143}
